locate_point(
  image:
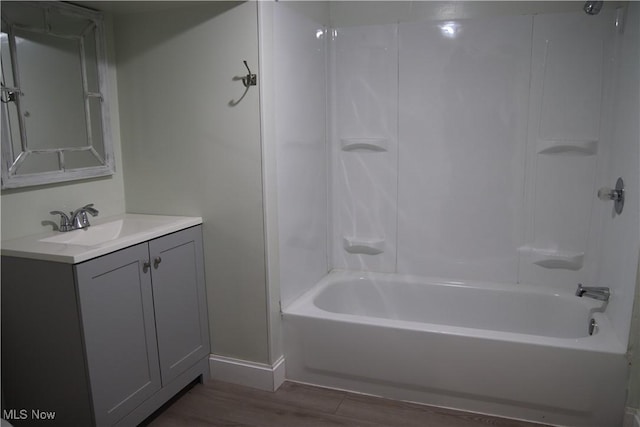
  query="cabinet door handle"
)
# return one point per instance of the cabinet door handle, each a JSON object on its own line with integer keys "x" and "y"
{"x": 145, "y": 265}
{"x": 156, "y": 261}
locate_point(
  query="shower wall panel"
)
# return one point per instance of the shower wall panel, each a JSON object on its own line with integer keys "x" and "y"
{"x": 299, "y": 65}
{"x": 463, "y": 119}
{"x": 364, "y": 147}
{"x": 620, "y": 233}
{"x": 568, "y": 142}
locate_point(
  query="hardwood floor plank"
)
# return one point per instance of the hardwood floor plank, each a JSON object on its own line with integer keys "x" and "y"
{"x": 391, "y": 412}
{"x": 206, "y": 404}
{"x": 298, "y": 405}
{"x": 294, "y": 394}
{"x": 306, "y": 396}
{"x": 181, "y": 420}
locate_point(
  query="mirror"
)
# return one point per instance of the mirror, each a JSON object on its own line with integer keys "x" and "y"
{"x": 55, "y": 113}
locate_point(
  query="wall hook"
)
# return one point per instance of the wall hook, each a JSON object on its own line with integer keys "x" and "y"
{"x": 250, "y": 79}
{"x": 10, "y": 94}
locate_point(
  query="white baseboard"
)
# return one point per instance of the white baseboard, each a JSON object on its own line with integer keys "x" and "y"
{"x": 632, "y": 418}
{"x": 250, "y": 374}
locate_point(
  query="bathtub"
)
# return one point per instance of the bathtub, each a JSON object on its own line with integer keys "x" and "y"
{"x": 509, "y": 350}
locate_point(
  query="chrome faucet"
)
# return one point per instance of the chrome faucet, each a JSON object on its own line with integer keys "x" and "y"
{"x": 596, "y": 292}
{"x": 77, "y": 219}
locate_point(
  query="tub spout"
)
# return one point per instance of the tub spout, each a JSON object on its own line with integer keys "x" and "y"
{"x": 596, "y": 292}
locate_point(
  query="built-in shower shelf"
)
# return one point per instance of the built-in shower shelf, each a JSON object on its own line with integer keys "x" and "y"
{"x": 372, "y": 246}
{"x": 562, "y": 146}
{"x": 554, "y": 259}
{"x": 364, "y": 144}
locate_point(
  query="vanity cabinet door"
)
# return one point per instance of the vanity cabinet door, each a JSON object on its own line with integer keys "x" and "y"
{"x": 116, "y": 304}
{"x": 179, "y": 300}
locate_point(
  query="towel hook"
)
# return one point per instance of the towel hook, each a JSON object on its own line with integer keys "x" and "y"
{"x": 250, "y": 79}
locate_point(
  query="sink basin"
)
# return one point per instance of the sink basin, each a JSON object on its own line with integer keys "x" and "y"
{"x": 91, "y": 236}
{"x": 108, "y": 231}
{"x": 105, "y": 235}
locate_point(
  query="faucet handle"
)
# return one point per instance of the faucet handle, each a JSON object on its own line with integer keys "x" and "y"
{"x": 63, "y": 216}
{"x": 89, "y": 208}
{"x": 79, "y": 217}
{"x": 86, "y": 208}
{"x": 65, "y": 222}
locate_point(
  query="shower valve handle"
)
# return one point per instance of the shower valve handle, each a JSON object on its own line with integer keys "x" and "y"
{"x": 615, "y": 194}
{"x": 606, "y": 193}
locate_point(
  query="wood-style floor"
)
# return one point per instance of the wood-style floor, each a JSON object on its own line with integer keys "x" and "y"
{"x": 297, "y": 405}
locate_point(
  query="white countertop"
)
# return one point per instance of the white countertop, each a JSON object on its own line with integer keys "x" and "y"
{"x": 125, "y": 230}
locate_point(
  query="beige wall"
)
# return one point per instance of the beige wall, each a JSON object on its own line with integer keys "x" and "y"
{"x": 24, "y": 210}
{"x": 189, "y": 149}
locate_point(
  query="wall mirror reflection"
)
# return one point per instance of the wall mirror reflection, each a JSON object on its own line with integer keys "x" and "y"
{"x": 55, "y": 115}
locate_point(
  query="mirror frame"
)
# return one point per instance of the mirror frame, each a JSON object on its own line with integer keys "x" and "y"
{"x": 12, "y": 180}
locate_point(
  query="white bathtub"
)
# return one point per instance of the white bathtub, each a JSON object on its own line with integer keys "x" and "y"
{"x": 508, "y": 350}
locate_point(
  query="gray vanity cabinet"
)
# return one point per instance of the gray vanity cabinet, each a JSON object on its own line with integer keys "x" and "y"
{"x": 142, "y": 320}
{"x": 116, "y": 305}
{"x": 180, "y": 301}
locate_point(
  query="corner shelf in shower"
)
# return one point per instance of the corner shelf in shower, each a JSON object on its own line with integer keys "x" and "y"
{"x": 568, "y": 147}
{"x": 364, "y": 144}
{"x": 373, "y": 246}
{"x": 553, "y": 258}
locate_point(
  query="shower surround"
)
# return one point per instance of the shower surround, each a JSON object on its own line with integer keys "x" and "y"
{"x": 460, "y": 152}
{"x": 469, "y": 149}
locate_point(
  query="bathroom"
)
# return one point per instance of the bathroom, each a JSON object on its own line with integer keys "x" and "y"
{"x": 356, "y": 152}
